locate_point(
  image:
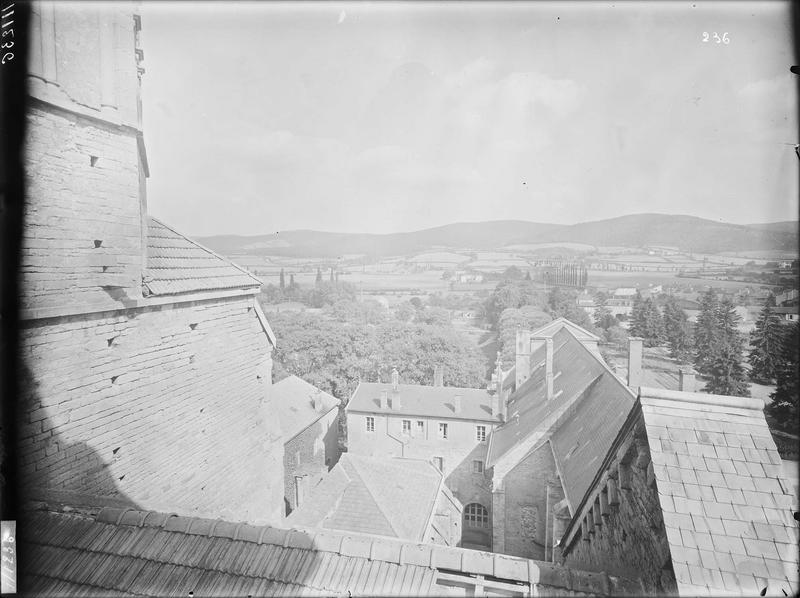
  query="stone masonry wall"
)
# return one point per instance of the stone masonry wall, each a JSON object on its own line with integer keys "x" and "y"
{"x": 82, "y": 220}
{"x": 521, "y": 531}
{"x": 312, "y": 453}
{"x": 628, "y": 537}
{"x": 166, "y": 407}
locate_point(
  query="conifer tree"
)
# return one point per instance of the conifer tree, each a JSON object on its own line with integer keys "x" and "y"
{"x": 331, "y": 273}
{"x": 677, "y": 331}
{"x": 318, "y": 281}
{"x": 783, "y": 409}
{"x": 646, "y": 321}
{"x": 602, "y": 315}
{"x": 766, "y": 343}
{"x": 705, "y": 330}
{"x": 726, "y": 374}
{"x": 283, "y": 281}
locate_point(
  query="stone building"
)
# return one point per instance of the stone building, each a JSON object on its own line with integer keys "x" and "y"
{"x": 564, "y": 410}
{"x": 394, "y": 497}
{"x": 147, "y": 359}
{"x": 691, "y": 499}
{"x": 309, "y": 419}
{"x": 448, "y": 425}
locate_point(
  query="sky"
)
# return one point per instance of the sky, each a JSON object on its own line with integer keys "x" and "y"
{"x": 386, "y": 117}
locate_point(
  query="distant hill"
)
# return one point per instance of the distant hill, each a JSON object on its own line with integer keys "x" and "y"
{"x": 637, "y": 230}
{"x": 787, "y": 226}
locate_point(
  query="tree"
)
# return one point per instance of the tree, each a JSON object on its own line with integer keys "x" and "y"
{"x": 319, "y": 276}
{"x": 726, "y": 374}
{"x": 332, "y": 279}
{"x": 602, "y": 315}
{"x": 766, "y": 342}
{"x": 782, "y": 412}
{"x": 283, "y": 281}
{"x": 705, "y": 330}
{"x": 646, "y": 321}
{"x": 677, "y": 331}
{"x": 528, "y": 317}
{"x": 512, "y": 273}
{"x": 562, "y": 303}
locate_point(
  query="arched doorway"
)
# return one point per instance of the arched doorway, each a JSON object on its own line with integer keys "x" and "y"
{"x": 477, "y": 530}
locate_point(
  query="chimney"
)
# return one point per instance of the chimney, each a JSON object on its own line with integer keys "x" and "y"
{"x": 496, "y": 398}
{"x": 687, "y": 380}
{"x": 548, "y": 366}
{"x": 438, "y": 375}
{"x": 457, "y": 403}
{"x": 523, "y": 356}
{"x": 395, "y": 380}
{"x": 634, "y": 362}
{"x": 384, "y": 399}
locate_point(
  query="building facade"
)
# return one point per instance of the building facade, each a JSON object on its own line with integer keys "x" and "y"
{"x": 449, "y": 426}
{"x": 147, "y": 359}
{"x": 309, "y": 419}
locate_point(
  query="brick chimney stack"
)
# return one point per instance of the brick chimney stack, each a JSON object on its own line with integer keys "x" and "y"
{"x": 548, "y": 366}
{"x": 687, "y": 380}
{"x": 395, "y": 380}
{"x": 634, "y": 362}
{"x": 438, "y": 375}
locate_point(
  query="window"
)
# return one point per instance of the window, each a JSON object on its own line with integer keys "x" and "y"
{"x": 420, "y": 426}
{"x": 477, "y": 466}
{"x": 406, "y": 426}
{"x": 476, "y": 515}
{"x": 439, "y": 463}
{"x": 443, "y": 431}
{"x": 480, "y": 433}
{"x": 370, "y": 424}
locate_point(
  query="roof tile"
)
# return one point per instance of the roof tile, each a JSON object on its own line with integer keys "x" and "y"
{"x": 176, "y": 264}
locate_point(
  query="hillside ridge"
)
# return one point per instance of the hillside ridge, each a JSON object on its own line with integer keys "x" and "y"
{"x": 688, "y": 233}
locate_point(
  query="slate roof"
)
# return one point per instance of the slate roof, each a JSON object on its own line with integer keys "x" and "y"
{"x": 124, "y": 552}
{"x": 582, "y": 419}
{"x": 726, "y": 503}
{"x": 386, "y": 497}
{"x": 294, "y": 400}
{"x": 176, "y": 264}
{"x": 582, "y": 441}
{"x": 424, "y": 401}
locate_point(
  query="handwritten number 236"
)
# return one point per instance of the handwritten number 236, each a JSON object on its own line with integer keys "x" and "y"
{"x": 724, "y": 39}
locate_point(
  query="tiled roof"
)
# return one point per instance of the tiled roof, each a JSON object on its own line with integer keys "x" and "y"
{"x": 726, "y": 504}
{"x": 123, "y": 552}
{"x": 295, "y": 400}
{"x": 386, "y": 497}
{"x": 176, "y": 264}
{"x": 425, "y": 401}
{"x": 582, "y": 419}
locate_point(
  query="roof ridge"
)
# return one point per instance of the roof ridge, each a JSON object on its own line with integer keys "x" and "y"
{"x": 204, "y": 248}
{"x": 717, "y": 402}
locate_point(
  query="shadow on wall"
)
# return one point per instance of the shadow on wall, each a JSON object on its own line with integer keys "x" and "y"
{"x": 333, "y": 448}
{"x": 51, "y": 467}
